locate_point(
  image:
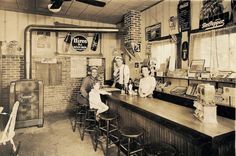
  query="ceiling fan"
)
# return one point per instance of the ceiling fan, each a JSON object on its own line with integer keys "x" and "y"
{"x": 55, "y": 5}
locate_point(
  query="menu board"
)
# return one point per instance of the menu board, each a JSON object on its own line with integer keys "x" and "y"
{"x": 184, "y": 15}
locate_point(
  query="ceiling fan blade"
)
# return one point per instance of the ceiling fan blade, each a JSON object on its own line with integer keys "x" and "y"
{"x": 56, "y": 4}
{"x": 93, "y": 2}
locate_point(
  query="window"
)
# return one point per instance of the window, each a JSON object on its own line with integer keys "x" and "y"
{"x": 217, "y": 47}
{"x": 162, "y": 50}
{"x": 50, "y": 74}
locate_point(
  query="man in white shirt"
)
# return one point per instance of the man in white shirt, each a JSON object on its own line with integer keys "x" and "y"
{"x": 147, "y": 84}
{"x": 121, "y": 74}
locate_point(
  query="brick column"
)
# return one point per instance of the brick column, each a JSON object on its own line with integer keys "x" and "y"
{"x": 132, "y": 25}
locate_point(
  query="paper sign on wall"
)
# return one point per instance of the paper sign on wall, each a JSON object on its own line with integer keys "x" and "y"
{"x": 78, "y": 67}
{"x": 95, "y": 62}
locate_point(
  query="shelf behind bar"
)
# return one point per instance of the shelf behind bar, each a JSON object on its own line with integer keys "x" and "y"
{"x": 194, "y": 79}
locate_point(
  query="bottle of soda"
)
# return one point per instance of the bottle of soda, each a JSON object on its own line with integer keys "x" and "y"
{"x": 95, "y": 42}
{"x": 67, "y": 42}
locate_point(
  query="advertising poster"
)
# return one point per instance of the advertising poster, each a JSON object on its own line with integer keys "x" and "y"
{"x": 184, "y": 15}
{"x": 43, "y": 40}
{"x": 80, "y": 43}
{"x": 214, "y": 14}
{"x": 153, "y": 32}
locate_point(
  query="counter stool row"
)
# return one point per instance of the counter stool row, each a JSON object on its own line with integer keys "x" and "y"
{"x": 128, "y": 139}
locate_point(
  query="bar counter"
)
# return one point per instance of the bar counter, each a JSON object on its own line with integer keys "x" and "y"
{"x": 174, "y": 124}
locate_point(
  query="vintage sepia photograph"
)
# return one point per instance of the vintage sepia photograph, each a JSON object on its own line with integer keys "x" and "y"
{"x": 117, "y": 77}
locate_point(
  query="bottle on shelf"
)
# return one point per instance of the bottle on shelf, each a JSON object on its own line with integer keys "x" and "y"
{"x": 130, "y": 87}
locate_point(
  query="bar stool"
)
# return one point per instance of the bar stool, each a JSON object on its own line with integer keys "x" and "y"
{"x": 110, "y": 127}
{"x": 89, "y": 125}
{"x": 160, "y": 149}
{"x": 80, "y": 111}
{"x": 131, "y": 140}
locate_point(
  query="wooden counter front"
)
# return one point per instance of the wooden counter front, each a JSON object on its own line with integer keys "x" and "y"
{"x": 166, "y": 122}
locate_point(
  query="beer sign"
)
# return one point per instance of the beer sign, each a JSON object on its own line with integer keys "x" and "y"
{"x": 79, "y": 43}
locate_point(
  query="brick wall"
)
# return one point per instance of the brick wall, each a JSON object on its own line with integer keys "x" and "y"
{"x": 132, "y": 25}
{"x": 58, "y": 98}
{"x": 132, "y": 34}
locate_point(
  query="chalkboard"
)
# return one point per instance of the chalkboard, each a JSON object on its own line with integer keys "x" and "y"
{"x": 184, "y": 15}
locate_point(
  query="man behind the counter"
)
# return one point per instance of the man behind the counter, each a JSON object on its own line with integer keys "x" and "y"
{"x": 87, "y": 85}
{"x": 121, "y": 73}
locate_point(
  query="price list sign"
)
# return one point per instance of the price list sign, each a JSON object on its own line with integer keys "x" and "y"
{"x": 184, "y": 15}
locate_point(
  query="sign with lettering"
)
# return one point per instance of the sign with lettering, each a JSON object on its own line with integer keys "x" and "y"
{"x": 213, "y": 15}
{"x": 184, "y": 15}
{"x": 153, "y": 32}
{"x": 215, "y": 21}
{"x": 79, "y": 43}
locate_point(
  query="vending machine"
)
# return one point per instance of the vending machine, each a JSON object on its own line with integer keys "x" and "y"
{"x": 29, "y": 93}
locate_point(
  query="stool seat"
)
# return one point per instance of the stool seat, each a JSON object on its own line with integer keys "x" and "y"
{"x": 108, "y": 116}
{"x": 160, "y": 149}
{"x": 131, "y": 132}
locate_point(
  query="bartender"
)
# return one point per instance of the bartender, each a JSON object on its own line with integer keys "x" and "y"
{"x": 87, "y": 85}
{"x": 121, "y": 74}
{"x": 147, "y": 84}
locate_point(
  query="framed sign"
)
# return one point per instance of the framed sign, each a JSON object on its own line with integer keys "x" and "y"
{"x": 213, "y": 15}
{"x": 185, "y": 48}
{"x": 214, "y": 22}
{"x": 153, "y": 32}
{"x": 197, "y": 66}
{"x": 79, "y": 43}
{"x": 184, "y": 15}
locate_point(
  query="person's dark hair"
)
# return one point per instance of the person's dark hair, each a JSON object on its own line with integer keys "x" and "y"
{"x": 145, "y": 66}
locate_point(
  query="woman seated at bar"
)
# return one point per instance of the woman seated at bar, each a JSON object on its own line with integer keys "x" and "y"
{"x": 147, "y": 84}
{"x": 95, "y": 101}
{"x": 87, "y": 85}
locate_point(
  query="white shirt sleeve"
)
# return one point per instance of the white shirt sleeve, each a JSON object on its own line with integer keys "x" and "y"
{"x": 115, "y": 72}
{"x": 103, "y": 92}
{"x": 140, "y": 85}
{"x": 94, "y": 99}
{"x": 126, "y": 73}
{"x": 154, "y": 83}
